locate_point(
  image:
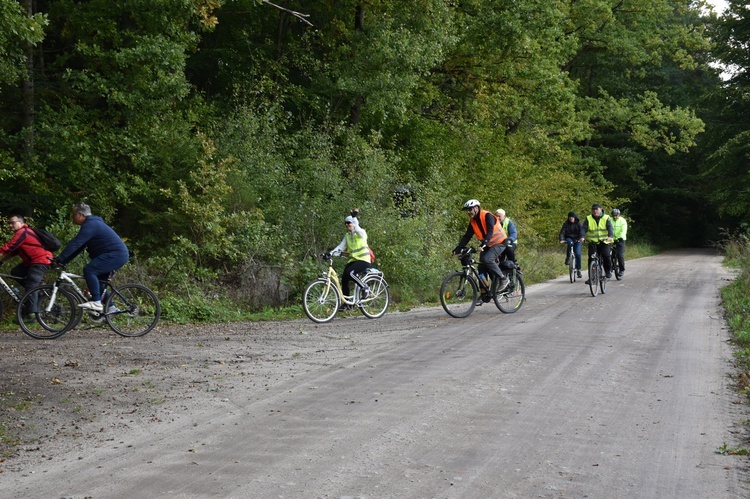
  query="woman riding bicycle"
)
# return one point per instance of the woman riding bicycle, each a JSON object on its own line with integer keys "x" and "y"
{"x": 354, "y": 242}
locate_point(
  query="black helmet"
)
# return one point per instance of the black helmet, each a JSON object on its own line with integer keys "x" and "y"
{"x": 615, "y": 212}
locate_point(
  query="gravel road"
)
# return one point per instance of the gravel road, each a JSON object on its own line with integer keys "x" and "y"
{"x": 620, "y": 396}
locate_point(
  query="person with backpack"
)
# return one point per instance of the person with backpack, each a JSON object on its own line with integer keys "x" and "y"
{"x": 105, "y": 248}
{"x": 35, "y": 258}
{"x": 488, "y": 229}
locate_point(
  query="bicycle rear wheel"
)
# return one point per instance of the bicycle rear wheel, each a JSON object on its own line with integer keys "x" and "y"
{"x": 321, "y": 301}
{"x": 594, "y": 276}
{"x": 458, "y": 294}
{"x": 511, "y": 298}
{"x": 132, "y": 310}
{"x": 56, "y": 312}
{"x": 376, "y": 303}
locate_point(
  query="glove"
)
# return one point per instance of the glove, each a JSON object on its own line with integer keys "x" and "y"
{"x": 457, "y": 250}
{"x": 354, "y": 212}
{"x": 510, "y": 242}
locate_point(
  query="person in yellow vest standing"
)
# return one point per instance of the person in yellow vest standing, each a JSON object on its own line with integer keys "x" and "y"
{"x": 512, "y": 232}
{"x": 355, "y": 244}
{"x": 621, "y": 234}
{"x": 598, "y": 230}
{"x": 483, "y": 224}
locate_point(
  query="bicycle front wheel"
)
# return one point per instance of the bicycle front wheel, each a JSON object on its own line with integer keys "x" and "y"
{"x": 511, "y": 298}
{"x": 321, "y": 301}
{"x": 594, "y": 276}
{"x": 55, "y": 312}
{"x": 602, "y": 281}
{"x": 377, "y": 301}
{"x": 132, "y": 310}
{"x": 458, "y": 294}
{"x": 572, "y": 267}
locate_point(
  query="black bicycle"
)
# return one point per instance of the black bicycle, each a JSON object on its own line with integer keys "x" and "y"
{"x": 615, "y": 262}
{"x": 463, "y": 289}
{"x": 597, "y": 278}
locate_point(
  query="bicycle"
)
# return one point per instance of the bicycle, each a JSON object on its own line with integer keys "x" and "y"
{"x": 460, "y": 290}
{"x": 571, "y": 258}
{"x": 615, "y": 262}
{"x": 130, "y": 310}
{"x": 323, "y": 297}
{"x": 597, "y": 278}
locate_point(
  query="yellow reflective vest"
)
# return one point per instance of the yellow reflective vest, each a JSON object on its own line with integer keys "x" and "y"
{"x": 597, "y": 232}
{"x": 357, "y": 247}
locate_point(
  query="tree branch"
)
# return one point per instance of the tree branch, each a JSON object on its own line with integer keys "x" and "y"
{"x": 296, "y": 14}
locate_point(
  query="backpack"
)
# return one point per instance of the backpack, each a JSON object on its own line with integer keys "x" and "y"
{"x": 48, "y": 241}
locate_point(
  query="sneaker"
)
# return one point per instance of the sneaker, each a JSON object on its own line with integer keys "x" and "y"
{"x": 92, "y": 305}
{"x": 587, "y": 281}
{"x": 608, "y": 275}
{"x": 479, "y": 302}
{"x": 578, "y": 274}
{"x": 567, "y": 260}
{"x": 345, "y": 307}
{"x": 622, "y": 271}
{"x": 503, "y": 284}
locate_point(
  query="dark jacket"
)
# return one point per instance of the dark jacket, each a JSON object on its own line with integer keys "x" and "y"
{"x": 572, "y": 230}
{"x": 95, "y": 236}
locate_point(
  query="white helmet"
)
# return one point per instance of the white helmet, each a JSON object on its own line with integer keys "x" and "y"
{"x": 471, "y": 203}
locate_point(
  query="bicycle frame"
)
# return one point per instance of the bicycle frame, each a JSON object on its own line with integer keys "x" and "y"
{"x": 6, "y": 287}
{"x": 334, "y": 282}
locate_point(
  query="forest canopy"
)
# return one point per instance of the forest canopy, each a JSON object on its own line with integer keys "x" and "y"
{"x": 227, "y": 139}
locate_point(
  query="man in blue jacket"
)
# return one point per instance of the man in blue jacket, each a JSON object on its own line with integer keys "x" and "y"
{"x": 105, "y": 248}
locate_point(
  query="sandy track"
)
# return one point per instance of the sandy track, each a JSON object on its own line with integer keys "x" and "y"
{"x": 623, "y": 395}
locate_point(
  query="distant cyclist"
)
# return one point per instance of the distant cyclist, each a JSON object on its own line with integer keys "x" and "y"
{"x": 512, "y": 232}
{"x": 598, "y": 230}
{"x": 621, "y": 234}
{"x": 572, "y": 233}
{"x": 491, "y": 235}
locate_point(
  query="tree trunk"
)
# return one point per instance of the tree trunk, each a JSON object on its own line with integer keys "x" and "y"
{"x": 27, "y": 119}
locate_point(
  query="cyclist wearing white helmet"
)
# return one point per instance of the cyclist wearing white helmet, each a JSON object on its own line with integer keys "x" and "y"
{"x": 621, "y": 234}
{"x": 491, "y": 235}
{"x": 354, "y": 242}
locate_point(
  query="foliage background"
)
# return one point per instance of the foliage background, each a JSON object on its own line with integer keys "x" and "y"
{"x": 225, "y": 140}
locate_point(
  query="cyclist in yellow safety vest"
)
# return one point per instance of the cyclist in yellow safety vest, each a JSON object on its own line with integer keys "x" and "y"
{"x": 598, "y": 230}
{"x": 355, "y": 244}
{"x": 510, "y": 229}
{"x": 621, "y": 234}
{"x": 491, "y": 235}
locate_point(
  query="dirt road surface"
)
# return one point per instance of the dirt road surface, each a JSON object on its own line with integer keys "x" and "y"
{"x": 626, "y": 395}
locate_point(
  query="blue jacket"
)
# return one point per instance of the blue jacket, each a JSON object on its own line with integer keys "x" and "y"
{"x": 95, "y": 236}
